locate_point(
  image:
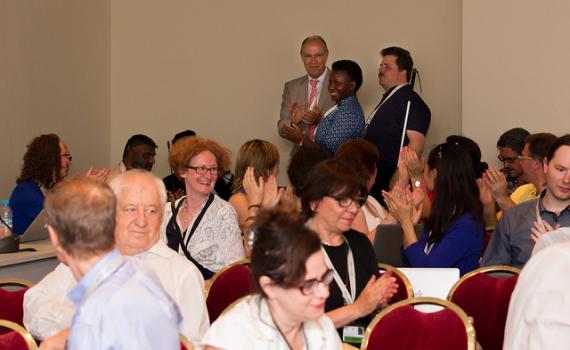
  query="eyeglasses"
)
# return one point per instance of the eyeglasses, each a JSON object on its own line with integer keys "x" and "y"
{"x": 309, "y": 287}
{"x": 507, "y": 159}
{"x": 201, "y": 170}
{"x": 67, "y": 155}
{"x": 346, "y": 201}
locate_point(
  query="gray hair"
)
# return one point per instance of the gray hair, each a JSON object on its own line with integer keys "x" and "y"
{"x": 119, "y": 182}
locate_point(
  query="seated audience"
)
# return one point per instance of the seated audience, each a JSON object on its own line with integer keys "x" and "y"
{"x": 345, "y": 120}
{"x": 332, "y": 196}
{"x": 531, "y": 160}
{"x": 46, "y": 162}
{"x": 139, "y": 153}
{"x": 510, "y": 146}
{"x": 453, "y": 235}
{"x": 539, "y": 306}
{"x": 120, "y": 304}
{"x": 140, "y": 202}
{"x": 292, "y": 283}
{"x": 511, "y": 243}
{"x": 362, "y": 156}
{"x": 202, "y": 226}
{"x": 262, "y": 158}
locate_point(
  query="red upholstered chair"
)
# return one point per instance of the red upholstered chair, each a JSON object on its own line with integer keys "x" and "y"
{"x": 17, "y": 338}
{"x": 405, "y": 290}
{"x": 185, "y": 344}
{"x": 401, "y": 326}
{"x": 484, "y": 294}
{"x": 11, "y": 300}
{"x": 228, "y": 285}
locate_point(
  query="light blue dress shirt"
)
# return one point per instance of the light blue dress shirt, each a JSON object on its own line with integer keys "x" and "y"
{"x": 123, "y": 306}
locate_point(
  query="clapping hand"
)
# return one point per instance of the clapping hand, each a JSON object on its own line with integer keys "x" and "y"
{"x": 312, "y": 117}
{"x": 264, "y": 193}
{"x": 538, "y": 229}
{"x": 99, "y": 175}
{"x": 401, "y": 204}
{"x": 496, "y": 182}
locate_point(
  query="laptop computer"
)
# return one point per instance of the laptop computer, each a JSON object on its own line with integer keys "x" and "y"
{"x": 388, "y": 241}
{"x": 37, "y": 230}
{"x": 431, "y": 282}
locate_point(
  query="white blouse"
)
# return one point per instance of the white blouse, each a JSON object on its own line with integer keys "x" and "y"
{"x": 217, "y": 240}
{"x": 248, "y": 325}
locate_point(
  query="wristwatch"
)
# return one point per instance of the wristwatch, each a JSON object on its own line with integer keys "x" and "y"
{"x": 417, "y": 184}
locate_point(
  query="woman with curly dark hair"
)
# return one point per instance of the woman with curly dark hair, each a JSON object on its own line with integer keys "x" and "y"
{"x": 46, "y": 162}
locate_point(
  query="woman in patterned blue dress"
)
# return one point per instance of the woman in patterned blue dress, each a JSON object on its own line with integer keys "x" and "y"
{"x": 345, "y": 120}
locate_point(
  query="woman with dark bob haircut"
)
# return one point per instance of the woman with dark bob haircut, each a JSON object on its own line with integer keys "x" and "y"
{"x": 453, "y": 236}
{"x": 292, "y": 284}
{"x": 331, "y": 198}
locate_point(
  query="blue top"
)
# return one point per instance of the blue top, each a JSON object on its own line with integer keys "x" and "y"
{"x": 345, "y": 123}
{"x": 26, "y": 202}
{"x": 123, "y": 306}
{"x": 460, "y": 247}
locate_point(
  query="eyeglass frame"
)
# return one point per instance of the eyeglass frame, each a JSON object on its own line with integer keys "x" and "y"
{"x": 359, "y": 201}
{"x": 202, "y": 170}
{"x": 309, "y": 287}
{"x": 510, "y": 160}
{"x": 526, "y": 158}
{"x": 67, "y": 155}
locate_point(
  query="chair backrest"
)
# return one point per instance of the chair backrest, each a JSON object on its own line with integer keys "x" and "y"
{"x": 228, "y": 285}
{"x": 11, "y": 301}
{"x": 405, "y": 290}
{"x": 17, "y": 339}
{"x": 402, "y": 326}
{"x": 185, "y": 344}
{"x": 484, "y": 294}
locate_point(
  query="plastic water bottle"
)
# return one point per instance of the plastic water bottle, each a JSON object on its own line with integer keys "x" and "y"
{"x": 6, "y": 222}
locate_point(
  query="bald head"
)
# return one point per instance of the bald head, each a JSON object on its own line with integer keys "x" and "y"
{"x": 141, "y": 197}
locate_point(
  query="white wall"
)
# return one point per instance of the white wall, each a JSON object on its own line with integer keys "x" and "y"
{"x": 219, "y": 68}
{"x": 54, "y": 69}
{"x": 515, "y": 69}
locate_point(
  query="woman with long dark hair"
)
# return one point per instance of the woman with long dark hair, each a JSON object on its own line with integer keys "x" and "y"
{"x": 453, "y": 236}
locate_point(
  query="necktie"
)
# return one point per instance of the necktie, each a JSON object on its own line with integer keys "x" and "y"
{"x": 312, "y": 96}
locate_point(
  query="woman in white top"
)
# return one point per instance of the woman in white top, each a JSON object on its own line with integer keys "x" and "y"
{"x": 292, "y": 282}
{"x": 362, "y": 156}
{"x": 202, "y": 226}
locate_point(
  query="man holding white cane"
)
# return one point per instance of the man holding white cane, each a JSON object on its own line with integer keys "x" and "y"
{"x": 401, "y": 115}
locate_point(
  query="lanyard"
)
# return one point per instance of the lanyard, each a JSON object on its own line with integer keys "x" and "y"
{"x": 348, "y": 297}
{"x": 327, "y": 113}
{"x": 369, "y": 120}
{"x": 538, "y": 217}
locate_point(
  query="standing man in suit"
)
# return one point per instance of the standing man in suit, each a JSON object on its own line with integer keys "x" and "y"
{"x": 386, "y": 124}
{"x": 306, "y": 98}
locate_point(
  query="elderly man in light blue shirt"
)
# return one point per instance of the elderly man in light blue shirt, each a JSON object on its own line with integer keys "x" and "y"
{"x": 120, "y": 305}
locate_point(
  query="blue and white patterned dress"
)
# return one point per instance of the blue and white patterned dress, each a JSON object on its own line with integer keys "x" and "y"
{"x": 344, "y": 123}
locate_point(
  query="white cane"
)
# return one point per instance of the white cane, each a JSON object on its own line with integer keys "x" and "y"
{"x": 404, "y": 129}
